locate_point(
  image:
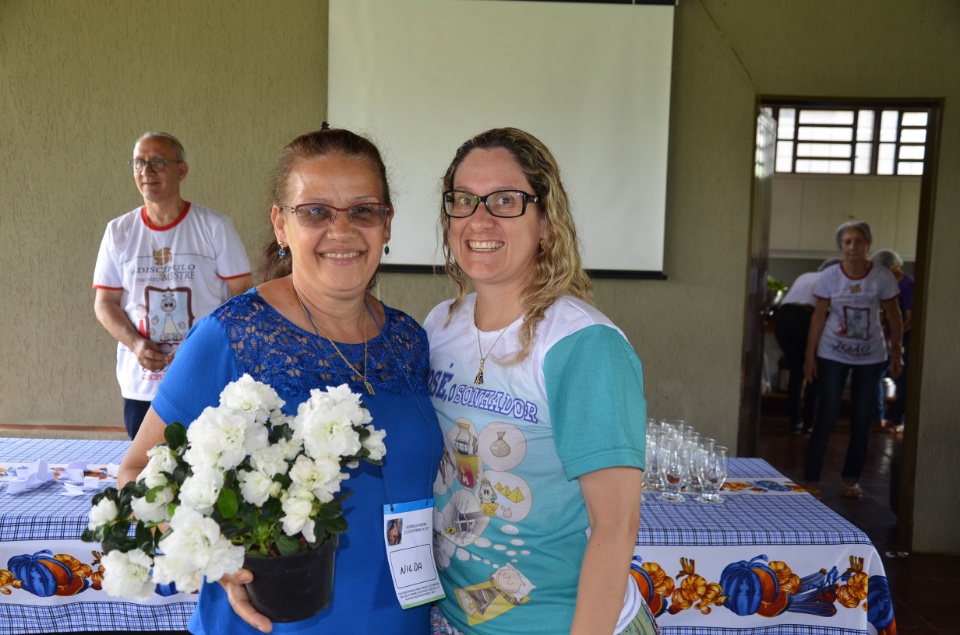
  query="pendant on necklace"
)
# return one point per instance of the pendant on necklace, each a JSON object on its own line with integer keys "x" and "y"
{"x": 369, "y": 387}
{"x": 478, "y": 380}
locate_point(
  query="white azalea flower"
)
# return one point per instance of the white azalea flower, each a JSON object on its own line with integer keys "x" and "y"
{"x": 201, "y": 489}
{"x": 161, "y": 459}
{"x": 307, "y": 530}
{"x": 223, "y": 558}
{"x": 271, "y": 460}
{"x": 321, "y": 476}
{"x": 155, "y": 512}
{"x": 374, "y": 443}
{"x": 297, "y": 509}
{"x": 255, "y": 438}
{"x": 128, "y": 575}
{"x": 256, "y": 487}
{"x": 290, "y": 448}
{"x": 102, "y": 513}
{"x": 217, "y": 439}
{"x": 235, "y": 436}
{"x": 251, "y": 396}
{"x": 194, "y": 549}
{"x": 326, "y": 427}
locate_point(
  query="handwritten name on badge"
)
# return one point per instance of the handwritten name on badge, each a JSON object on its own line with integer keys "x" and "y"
{"x": 408, "y": 536}
{"x": 410, "y": 565}
{"x": 410, "y": 568}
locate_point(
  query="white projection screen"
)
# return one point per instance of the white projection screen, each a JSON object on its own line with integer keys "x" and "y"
{"x": 592, "y": 81}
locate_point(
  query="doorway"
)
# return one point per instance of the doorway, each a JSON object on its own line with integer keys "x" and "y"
{"x": 824, "y": 172}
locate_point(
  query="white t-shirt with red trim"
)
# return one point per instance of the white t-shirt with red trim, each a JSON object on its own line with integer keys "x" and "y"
{"x": 170, "y": 276}
{"x": 853, "y": 333}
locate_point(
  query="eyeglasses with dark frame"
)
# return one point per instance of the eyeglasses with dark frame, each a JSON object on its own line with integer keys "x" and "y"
{"x": 502, "y": 203}
{"x": 362, "y": 215}
{"x": 157, "y": 164}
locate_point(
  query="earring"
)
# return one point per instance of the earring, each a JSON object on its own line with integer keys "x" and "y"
{"x": 283, "y": 252}
{"x": 386, "y": 249}
{"x": 542, "y": 247}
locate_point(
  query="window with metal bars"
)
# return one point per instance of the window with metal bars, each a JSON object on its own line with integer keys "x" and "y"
{"x": 869, "y": 141}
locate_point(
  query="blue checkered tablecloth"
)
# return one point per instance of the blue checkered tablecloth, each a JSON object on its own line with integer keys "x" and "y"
{"x": 745, "y": 518}
{"x": 678, "y": 543}
{"x": 44, "y": 513}
{"x": 43, "y": 518}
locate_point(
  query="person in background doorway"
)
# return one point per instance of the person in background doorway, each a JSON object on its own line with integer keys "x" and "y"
{"x": 849, "y": 341}
{"x": 894, "y": 419}
{"x": 161, "y": 267}
{"x": 791, "y": 328}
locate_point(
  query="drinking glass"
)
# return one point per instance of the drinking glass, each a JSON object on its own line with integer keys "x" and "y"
{"x": 675, "y": 467}
{"x": 692, "y": 440}
{"x": 651, "y": 476}
{"x": 713, "y": 473}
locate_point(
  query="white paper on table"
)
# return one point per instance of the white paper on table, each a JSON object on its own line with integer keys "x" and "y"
{"x": 75, "y": 482}
{"x": 89, "y": 484}
{"x": 37, "y": 474}
{"x": 73, "y": 472}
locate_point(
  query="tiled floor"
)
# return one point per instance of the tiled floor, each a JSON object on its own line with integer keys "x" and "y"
{"x": 924, "y": 587}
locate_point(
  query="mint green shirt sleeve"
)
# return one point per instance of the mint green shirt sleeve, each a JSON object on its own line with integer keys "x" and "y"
{"x": 594, "y": 385}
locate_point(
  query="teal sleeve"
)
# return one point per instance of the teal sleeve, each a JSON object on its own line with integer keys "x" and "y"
{"x": 594, "y": 386}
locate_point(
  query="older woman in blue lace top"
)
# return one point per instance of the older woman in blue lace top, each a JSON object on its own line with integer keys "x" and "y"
{"x": 312, "y": 323}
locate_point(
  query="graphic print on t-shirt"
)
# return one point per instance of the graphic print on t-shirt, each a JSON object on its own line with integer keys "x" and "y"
{"x": 170, "y": 315}
{"x": 856, "y": 323}
{"x": 477, "y": 466}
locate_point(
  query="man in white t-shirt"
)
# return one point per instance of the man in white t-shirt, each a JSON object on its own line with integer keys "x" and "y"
{"x": 161, "y": 267}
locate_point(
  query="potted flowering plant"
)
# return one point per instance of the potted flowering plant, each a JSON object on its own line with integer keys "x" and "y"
{"x": 244, "y": 485}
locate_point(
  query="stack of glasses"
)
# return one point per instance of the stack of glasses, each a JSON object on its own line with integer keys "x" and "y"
{"x": 680, "y": 459}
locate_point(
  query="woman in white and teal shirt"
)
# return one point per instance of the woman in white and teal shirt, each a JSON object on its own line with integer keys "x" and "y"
{"x": 540, "y": 398}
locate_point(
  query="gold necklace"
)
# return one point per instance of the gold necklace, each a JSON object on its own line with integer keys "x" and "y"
{"x": 478, "y": 380}
{"x": 320, "y": 333}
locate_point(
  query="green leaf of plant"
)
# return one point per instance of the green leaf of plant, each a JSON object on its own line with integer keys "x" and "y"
{"x": 335, "y": 526}
{"x": 144, "y": 538}
{"x": 288, "y": 546}
{"x": 330, "y": 511}
{"x": 175, "y": 435}
{"x": 227, "y": 503}
{"x": 180, "y": 474}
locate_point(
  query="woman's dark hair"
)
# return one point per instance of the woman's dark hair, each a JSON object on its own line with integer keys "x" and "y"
{"x": 326, "y": 142}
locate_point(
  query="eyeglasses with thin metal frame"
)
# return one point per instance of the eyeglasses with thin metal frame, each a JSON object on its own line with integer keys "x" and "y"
{"x": 502, "y": 203}
{"x": 316, "y": 215}
{"x": 157, "y": 164}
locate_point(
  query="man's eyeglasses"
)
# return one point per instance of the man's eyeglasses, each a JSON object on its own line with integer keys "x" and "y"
{"x": 157, "y": 165}
{"x": 317, "y": 215}
{"x": 504, "y": 204}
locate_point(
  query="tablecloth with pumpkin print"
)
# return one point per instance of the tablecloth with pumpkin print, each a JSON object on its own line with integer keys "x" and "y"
{"x": 770, "y": 559}
{"x": 49, "y": 578}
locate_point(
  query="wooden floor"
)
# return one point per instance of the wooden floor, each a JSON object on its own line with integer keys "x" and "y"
{"x": 923, "y": 586}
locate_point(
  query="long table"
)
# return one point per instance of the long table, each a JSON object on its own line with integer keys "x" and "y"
{"x": 44, "y": 519}
{"x": 769, "y": 560}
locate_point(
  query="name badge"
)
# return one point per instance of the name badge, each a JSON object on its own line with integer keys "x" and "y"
{"x": 408, "y": 535}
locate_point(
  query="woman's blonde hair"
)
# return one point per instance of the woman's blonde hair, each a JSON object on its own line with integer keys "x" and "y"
{"x": 559, "y": 268}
